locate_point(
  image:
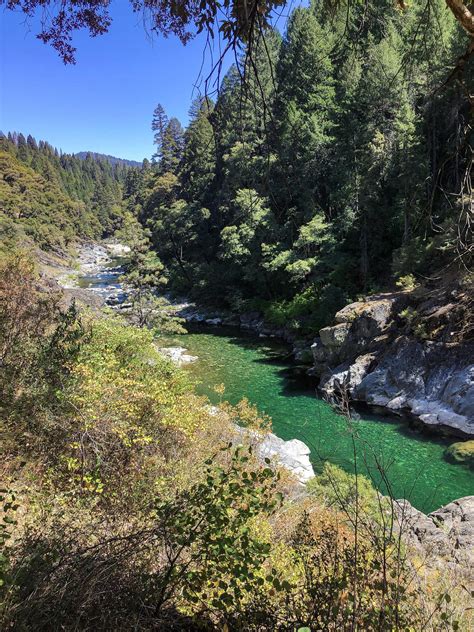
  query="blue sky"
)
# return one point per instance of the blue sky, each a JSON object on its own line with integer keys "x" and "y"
{"x": 105, "y": 102}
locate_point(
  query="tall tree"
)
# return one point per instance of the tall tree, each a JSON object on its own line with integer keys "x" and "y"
{"x": 172, "y": 146}
{"x": 158, "y": 125}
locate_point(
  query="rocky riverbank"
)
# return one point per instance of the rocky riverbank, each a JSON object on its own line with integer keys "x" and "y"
{"x": 95, "y": 263}
{"x": 370, "y": 355}
{"x": 397, "y": 351}
{"x": 445, "y": 536}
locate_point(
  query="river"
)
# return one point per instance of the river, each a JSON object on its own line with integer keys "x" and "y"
{"x": 257, "y": 369}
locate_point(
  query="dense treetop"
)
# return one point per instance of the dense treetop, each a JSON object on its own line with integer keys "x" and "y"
{"x": 320, "y": 172}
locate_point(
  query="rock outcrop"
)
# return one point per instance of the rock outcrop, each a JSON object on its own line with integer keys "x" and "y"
{"x": 444, "y": 534}
{"x": 368, "y": 355}
{"x": 177, "y": 355}
{"x": 429, "y": 380}
{"x": 292, "y": 455}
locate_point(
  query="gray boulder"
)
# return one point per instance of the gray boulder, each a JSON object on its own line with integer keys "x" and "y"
{"x": 349, "y": 374}
{"x": 177, "y": 355}
{"x": 335, "y": 336}
{"x": 444, "y": 534}
{"x": 433, "y": 381}
{"x": 292, "y": 455}
{"x": 428, "y": 380}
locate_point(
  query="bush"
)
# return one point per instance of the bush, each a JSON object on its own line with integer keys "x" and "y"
{"x": 130, "y": 507}
{"x": 407, "y": 282}
{"x": 337, "y": 488}
{"x": 308, "y": 311}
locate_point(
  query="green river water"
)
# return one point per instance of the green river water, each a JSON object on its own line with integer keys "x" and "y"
{"x": 257, "y": 369}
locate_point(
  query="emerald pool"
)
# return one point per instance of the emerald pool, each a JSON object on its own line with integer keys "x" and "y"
{"x": 258, "y": 370}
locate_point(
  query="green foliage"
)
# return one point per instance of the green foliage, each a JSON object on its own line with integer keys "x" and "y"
{"x": 143, "y": 278}
{"x": 337, "y": 488}
{"x": 52, "y": 198}
{"x": 307, "y": 311}
{"x": 169, "y": 140}
{"x": 407, "y": 282}
{"x": 316, "y": 175}
{"x": 214, "y": 553}
{"x": 285, "y": 312}
{"x": 38, "y": 342}
{"x": 129, "y": 506}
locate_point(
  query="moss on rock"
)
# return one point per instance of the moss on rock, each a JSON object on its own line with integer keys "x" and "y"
{"x": 462, "y": 452}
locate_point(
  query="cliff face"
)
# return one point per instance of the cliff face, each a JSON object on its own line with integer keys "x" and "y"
{"x": 406, "y": 351}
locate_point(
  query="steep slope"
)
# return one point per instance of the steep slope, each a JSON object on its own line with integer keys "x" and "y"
{"x": 410, "y": 352}
{"x": 32, "y": 206}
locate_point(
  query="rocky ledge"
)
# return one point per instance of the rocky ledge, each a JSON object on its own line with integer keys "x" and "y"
{"x": 370, "y": 356}
{"x": 444, "y": 534}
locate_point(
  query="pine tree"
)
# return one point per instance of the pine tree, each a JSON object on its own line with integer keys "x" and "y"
{"x": 158, "y": 125}
{"x": 172, "y": 146}
{"x": 199, "y": 153}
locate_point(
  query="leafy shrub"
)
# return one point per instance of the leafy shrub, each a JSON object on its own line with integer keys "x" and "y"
{"x": 309, "y": 310}
{"x": 407, "y": 282}
{"x": 131, "y": 517}
{"x": 337, "y": 488}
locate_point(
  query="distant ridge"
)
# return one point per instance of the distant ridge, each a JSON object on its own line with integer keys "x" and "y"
{"x": 112, "y": 159}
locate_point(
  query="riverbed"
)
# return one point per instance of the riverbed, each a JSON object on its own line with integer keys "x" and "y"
{"x": 413, "y": 463}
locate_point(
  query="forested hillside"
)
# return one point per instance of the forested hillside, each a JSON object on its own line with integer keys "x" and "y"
{"x": 112, "y": 159}
{"x": 54, "y": 198}
{"x": 328, "y": 166}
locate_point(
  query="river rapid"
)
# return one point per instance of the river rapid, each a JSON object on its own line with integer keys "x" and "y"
{"x": 413, "y": 463}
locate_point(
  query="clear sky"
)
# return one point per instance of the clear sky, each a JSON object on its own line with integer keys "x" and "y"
{"x": 105, "y": 102}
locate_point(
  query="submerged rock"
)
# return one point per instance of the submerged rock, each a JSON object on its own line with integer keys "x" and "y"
{"x": 461, "y": 452}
